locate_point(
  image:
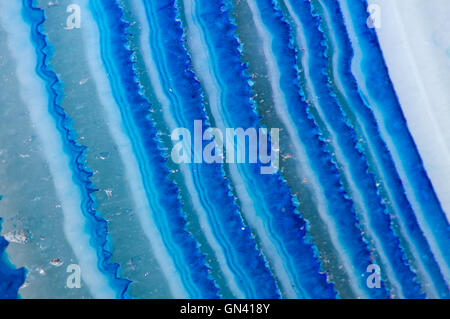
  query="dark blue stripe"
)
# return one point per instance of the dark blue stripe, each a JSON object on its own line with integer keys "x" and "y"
{"x": 76, "y": 152}
{"x": 382, "y": 154}
{"x": 135, "y": 113}
{"x": 379, "y": 219}
{"x": 243, "y": 257}
{"x": 269, "y": 191}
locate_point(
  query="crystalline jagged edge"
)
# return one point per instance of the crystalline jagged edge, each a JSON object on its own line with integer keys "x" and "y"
{"x": 98, "y": 226}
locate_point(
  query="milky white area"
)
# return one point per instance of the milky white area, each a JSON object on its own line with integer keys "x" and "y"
{"x": 420, "y": 268}
{"x": 33, "y": 93}
{"x": 415, "y": 39}
{"x": 396, "y": 155}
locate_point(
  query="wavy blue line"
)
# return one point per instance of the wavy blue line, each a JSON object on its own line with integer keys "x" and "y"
{"x": 11, "y": 279}
{"x": 378, "y": 217}
{"x": 382, "y": 154}
{"x": 271, "y": 195}
{"x": 382, "y": 92}
{"x": 135, "y": 112}
{"x": 97, "y": 225}
{"x": 246, "y": 262}
{"x": 340, "y": 207}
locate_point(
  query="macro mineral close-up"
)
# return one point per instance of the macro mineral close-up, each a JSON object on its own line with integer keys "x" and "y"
{"x": 234, "y": 149}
